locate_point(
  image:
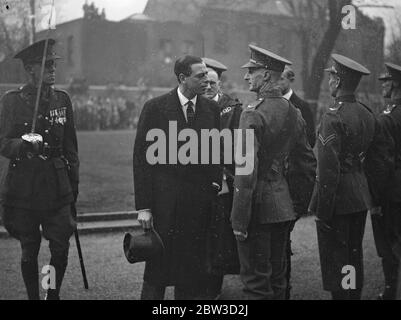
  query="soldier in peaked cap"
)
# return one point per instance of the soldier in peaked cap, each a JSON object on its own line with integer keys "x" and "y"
{"x": 222, "y": 247}
{"x": 387, "y": 222}
{"x": 346, "y": 136}
{"x": 42, "y": 179}
{"x": 263, "y": 205}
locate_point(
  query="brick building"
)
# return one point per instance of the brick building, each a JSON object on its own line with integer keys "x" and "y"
{"x": 144, "y": 46}
{"x": 228, "y": 26}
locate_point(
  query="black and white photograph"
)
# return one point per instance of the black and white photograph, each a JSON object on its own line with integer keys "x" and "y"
{"x": 216, "y": 151}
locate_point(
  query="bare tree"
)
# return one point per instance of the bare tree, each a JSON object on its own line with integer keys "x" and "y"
{"x": 313, "y": 17}
{"x": 394, "y": 49}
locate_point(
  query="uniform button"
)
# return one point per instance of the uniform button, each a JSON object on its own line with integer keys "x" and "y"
{"x": 26, "y": 123}
{"x": 46, "y": 118}
{"x": 47, "y": 131}
{"x": 46, "y": 144}
{"x": 14, "y": 165}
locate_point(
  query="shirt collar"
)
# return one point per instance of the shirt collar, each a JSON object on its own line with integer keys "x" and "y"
{"x": 184, "y": 100}
{"x": 216, "y": 98}
{"x": 288, "y": 94}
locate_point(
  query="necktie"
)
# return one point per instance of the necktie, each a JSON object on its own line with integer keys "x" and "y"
{"x": 190, "y": 113}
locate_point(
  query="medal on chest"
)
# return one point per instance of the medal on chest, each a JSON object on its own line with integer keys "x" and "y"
{"x": 58, "y": 116}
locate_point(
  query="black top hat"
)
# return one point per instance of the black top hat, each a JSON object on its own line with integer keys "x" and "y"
{"x": 262, "y": 58}
{"x": 145, "y": 246}
{"x": 34, "y": 53}
{"x": 215, "y": 65}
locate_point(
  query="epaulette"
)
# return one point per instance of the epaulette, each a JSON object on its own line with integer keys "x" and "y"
{"x": 13, "y": 91}
{"x": 255, "y": 104}
{"x": 389, "y": 108}
{"x": 337, "y": 106}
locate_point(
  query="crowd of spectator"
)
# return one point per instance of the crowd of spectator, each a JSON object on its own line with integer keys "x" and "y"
{"x": 100, "y": 113}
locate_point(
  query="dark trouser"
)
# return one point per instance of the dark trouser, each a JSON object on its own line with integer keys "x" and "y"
{"x": 386, "y": 230}
{"x": 181, "y": 292}
{"x": 263, "y": 261}
{"x": 339, "y": 248}
{"x": 289, "y": 255}
{"x": 222, "y": 253}
{"x": 57, "y": 227}
{"x": 214, "y": 286}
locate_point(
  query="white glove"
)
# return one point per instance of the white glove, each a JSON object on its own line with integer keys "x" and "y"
{"x": 145, "y": 218}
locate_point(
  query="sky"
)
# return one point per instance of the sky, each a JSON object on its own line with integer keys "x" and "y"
{"x": 115, "y": 9}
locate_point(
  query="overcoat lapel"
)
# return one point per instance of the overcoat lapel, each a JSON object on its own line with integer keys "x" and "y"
{"x": 173, "y": 110}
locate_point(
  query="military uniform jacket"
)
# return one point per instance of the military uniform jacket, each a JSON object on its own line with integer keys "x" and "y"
{"x": 263, "y": 196}
{"x": 346, "y": 132}
{"x": 48, "y": 181}
{"x": 390, "y": 121}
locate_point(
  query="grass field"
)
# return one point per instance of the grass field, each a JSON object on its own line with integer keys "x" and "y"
{"x": 106, "y": 182}
{"x": 107, "y": 185}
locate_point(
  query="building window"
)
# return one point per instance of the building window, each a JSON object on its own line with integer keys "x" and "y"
{"x": 221, "y": 38}
{"x": 166, "y": 49}
{"x": 188, "y": 47}
{"x": 70, "y": 46}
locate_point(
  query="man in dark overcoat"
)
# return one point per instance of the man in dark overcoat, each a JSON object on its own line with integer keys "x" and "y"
{"x": 42, "y": 179}
{"x": 286, "y": 81}
{"x": 174, "y": 196}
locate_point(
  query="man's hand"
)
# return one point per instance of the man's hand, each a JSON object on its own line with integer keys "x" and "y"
{"x": 375, "y": 211}
{"x": 216, "y": 187}
{"x": 240, "y": 236}
{"x": 9, "y": 223}
{"x": 145, "y": 218}
{"x": 32, "y": 144}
